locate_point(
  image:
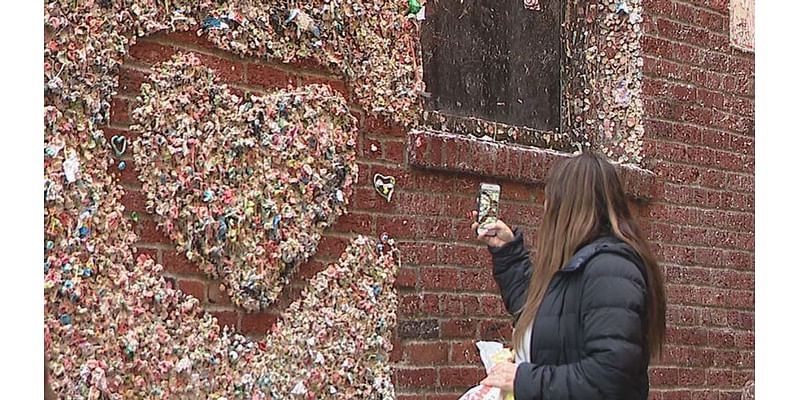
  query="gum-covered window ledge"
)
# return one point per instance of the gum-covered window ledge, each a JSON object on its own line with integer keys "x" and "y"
{"x": 441, "y": 151}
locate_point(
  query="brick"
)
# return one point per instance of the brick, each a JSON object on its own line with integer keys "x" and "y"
{"x": 130, "y": 81}
{"x": 425, "y": 353}
{"x": 226, "y": 318}
{"x": 495, "y": 330}
{"x": 471, "y": 304}
{"x": 705, "y": 395}
{"x": 258, "y": 323}
{"x": 458, "y": 206}
{"x": 743, "y": 183}
{"x": 367, "y": 199}
{"x": 337, "y": 84}
{"x": 663, "y": 376}
{"x": 744, "y": 340}
{"x": 120, "y": 111}
{"x": 452, "y": 305}
{"x": 354, "y": 222}
{"x": 379, "y": 126}
{"x": 417, "y": 149}
{"x": 492, "y": 306}
{"x": 740, "y": 378}
{"x": 436, "y": 153}
{"x": 417, "y": 253}
{"x": 148, "y": 232}
{"x": 691, "y": 377}
{"x": 727, "y": 358}
{"x": 418, "y": 203}
{"x": 226, "y": 70}
{"x": 134, "y": 200}
{"x": 439, "y": 278}
{"x": 696, "y": 336}
{"x": 463, "y": 232}
{"x": 461, "y": 378}
{"x": 268, "y": 77}
{"x": 450, "y": 148}
{"x": 464, "y": 353}
{"x": 396, "y": 355}
{"x": 406, "y": 277}
{"x": 177, "y": 263}
{"x": 370, "y": 148}
{"x": 129, "y": 176}
{"x": 681, "y": 315}
{"x": 308, "y": 270}
{"x": 686, "y": 275}
{"x": 414, "y": 378}
{"x": 364, "y": 178}
{"x": 195, "y": 288}
{"x": 675, "y": 356}
{"x": 677, "y": 395}
{"x": 218, "y": 294}
{"x": 432, "y": 228}
{"x": 152, "y": 253}
{"x": 732, "y": 279}
{"x": 517, "y": 213}
{"x": 418, "y": 329}
{"x": 699, "y": 143}
{"x": 679, "y": 255}
{"x": 398, "y": 227}
{"x": 459, "y": 328}
{"x": 182, "y": 38}
{"x": 460, "y": 183}
{"x": 330, "y": 246}
{"x": 479, "y": 279}
{"x": 722, "y": 378}
{"x": 408, "y": 305}
{"x": 662, "y": 7}
{"x": 151, "y": 52}
{"x": 464, "y": 256}
{"x": 517, "y": 191}
{"x": 443, "y": 396}
{"x": 431, "y": 304}
{"x": 401, "y": 396}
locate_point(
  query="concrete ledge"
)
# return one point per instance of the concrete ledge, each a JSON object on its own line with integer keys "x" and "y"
{"x": 467, "y": 154}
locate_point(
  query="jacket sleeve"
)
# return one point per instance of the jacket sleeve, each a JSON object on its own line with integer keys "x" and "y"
{"x": 512, "y": 272}
{"x": 613, "y": 307}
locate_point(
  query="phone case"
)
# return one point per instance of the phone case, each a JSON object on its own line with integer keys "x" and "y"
{"x": 488, "y": 205}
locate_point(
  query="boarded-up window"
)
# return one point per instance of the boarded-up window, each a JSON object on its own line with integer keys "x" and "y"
{"x": 493, "y": 61}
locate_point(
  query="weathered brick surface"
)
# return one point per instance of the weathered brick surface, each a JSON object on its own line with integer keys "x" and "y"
{"x": 697, "y": 207}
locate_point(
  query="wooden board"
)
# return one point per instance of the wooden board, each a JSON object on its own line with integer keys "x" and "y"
{"x": 494, "y": 60}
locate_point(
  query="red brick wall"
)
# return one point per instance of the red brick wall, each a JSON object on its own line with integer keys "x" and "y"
{"x": 699, "y": 103}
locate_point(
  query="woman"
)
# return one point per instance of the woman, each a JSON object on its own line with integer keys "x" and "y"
{"x": 591, "y": 310}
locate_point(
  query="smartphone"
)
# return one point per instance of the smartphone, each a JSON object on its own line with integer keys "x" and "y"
{"x": 488, "y": 206}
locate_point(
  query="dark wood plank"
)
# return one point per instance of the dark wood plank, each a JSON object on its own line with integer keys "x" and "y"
{"x": 494, "y": 60}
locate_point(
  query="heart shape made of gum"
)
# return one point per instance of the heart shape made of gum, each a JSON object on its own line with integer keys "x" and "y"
{"x": 244, "y": 187}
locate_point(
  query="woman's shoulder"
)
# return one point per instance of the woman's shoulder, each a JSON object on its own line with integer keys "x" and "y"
{"x": 615, "y": 258}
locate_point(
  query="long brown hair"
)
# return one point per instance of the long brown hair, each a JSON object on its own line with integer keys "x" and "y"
{"x": 585, "y": 200}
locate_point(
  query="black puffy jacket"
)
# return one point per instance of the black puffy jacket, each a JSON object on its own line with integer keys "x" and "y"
{"x": 588, "y": 340}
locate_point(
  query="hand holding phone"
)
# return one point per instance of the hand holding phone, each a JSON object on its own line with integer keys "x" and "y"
{"x": 487, "y": 226}
{"x": 500, "y": 232}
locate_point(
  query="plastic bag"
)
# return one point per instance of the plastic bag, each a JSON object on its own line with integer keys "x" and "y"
{"x": 491, "y": 354}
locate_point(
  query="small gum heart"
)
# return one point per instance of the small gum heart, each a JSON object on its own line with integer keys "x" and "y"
{"x": 384, "y": 185}
{"x": 119, "y": 144}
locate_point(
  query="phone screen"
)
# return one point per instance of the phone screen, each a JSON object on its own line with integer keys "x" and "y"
{"x": 488, "y": 205}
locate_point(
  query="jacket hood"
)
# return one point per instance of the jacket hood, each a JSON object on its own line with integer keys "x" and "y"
{"x": 604, "y": 244}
